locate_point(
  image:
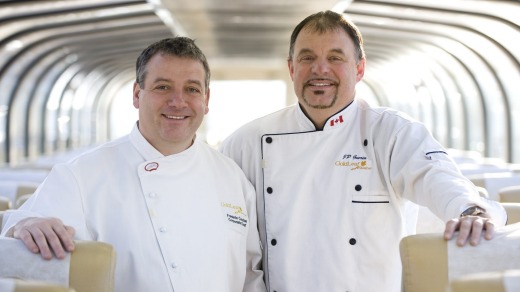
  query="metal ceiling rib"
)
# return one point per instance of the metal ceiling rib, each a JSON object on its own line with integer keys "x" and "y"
{"x": 230, "y": 29}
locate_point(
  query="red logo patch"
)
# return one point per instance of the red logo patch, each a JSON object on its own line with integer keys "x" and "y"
{"x": 151, "y": 166}
{"x": 335, "y": 121}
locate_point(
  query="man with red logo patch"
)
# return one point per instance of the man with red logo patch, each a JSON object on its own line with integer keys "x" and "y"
{"x": 334, "y": 224}
{"x": 160, "y": 196}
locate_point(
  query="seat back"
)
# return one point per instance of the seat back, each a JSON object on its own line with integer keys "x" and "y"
{"x": 5, "y": 203}
{"x": 92, "y": 267}
{"x": 25, "y": 188}
{"x": 23, "y": 193}
{"x": 427, "y": 267}
{"x": 425, "y": 264}
{"x": 509, "y": 194}
{"x": 513, "y": 212}
{"x": 89, "y": 268}
{"x": 21, "y": 200}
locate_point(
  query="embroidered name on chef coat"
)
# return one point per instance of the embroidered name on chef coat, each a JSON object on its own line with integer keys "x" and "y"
{"x": 235, "y": 214}
{"x": 354, "y": 162}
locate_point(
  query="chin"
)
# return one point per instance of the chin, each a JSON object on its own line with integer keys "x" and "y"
{"x": 321, "y": 104}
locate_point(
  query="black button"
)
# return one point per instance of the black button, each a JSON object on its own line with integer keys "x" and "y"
{"x": 269, "y": 140}
{"x": 365, "y": 142}
{"x": 352, "y": 241}
{"x": 269, "y": 190}
{"x": 273, "y": 241}
{"x": 358, "y": 188}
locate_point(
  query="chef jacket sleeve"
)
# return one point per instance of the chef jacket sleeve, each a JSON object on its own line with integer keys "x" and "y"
{"x": 421, "y": 170}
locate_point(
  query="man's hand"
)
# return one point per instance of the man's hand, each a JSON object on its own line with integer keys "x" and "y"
{"x": 470, "y": 227}
{"x": 44, "y": 236}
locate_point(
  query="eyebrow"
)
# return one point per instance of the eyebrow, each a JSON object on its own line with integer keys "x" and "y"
{"x": 197, "y": 82}
{"x": 305, "y": 51}
{"x": 190, "y": 81}
{"x": 339, "y": 51}
{"x": 160, "y": 79}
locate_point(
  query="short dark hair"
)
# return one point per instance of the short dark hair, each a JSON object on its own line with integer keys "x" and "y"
{"x": 325, "y": 21}
{"x": 177, "y": 46}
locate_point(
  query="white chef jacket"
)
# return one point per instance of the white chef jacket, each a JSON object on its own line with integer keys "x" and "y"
{"x": 183, "y": 222}
{"x": 334, "y": 204}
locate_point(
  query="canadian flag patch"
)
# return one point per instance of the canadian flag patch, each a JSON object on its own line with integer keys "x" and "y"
{"x": 335, "y": 121}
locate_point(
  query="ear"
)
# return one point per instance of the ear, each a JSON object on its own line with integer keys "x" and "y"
{"x": 137, "y": 91}
{"x": 360, "y": 69}
{"x": 207, "y": 101}
{"x": 291, "y": 68}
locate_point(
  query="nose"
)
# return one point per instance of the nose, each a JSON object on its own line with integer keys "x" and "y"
{"x": 176, "y": 98}
{"x": 320, "y": 66}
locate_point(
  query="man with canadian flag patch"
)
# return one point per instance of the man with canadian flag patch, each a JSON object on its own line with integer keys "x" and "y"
{"x": 336, "y": 178}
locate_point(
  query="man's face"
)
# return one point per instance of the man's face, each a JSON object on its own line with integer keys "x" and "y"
{"x": 172, "y": 103}
{"x": 324, "y": 70}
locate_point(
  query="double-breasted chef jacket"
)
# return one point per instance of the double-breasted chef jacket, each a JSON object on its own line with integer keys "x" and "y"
{"x": 183, "y": 222}
{"x": 334, "y": 204}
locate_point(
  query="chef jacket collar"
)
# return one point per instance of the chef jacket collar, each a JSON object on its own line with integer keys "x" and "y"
{"x": 147, "y": 151}
{"x": 305, "y": 124}
{"x": 336, "y": 121}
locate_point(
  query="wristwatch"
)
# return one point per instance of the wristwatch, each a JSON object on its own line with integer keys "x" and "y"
{"x": 473, "y": 211}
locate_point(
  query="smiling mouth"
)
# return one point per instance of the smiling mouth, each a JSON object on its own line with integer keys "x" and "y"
{"x": 320, "y": 83}
{"x": 175, "y": 117}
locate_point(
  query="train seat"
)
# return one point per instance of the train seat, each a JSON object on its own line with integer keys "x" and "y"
{"x": 428, "y": 268}
{"x": 90, "y": 268}
{"x": 5, "y": 203}
{"x": 509, "y": 194}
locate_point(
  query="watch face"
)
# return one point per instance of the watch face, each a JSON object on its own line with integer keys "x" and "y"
{"x": 473, "y": 211}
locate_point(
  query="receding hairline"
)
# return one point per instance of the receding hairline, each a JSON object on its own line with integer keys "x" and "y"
{"x": 322, "y": 32}
{"x": 326, "y": 21}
